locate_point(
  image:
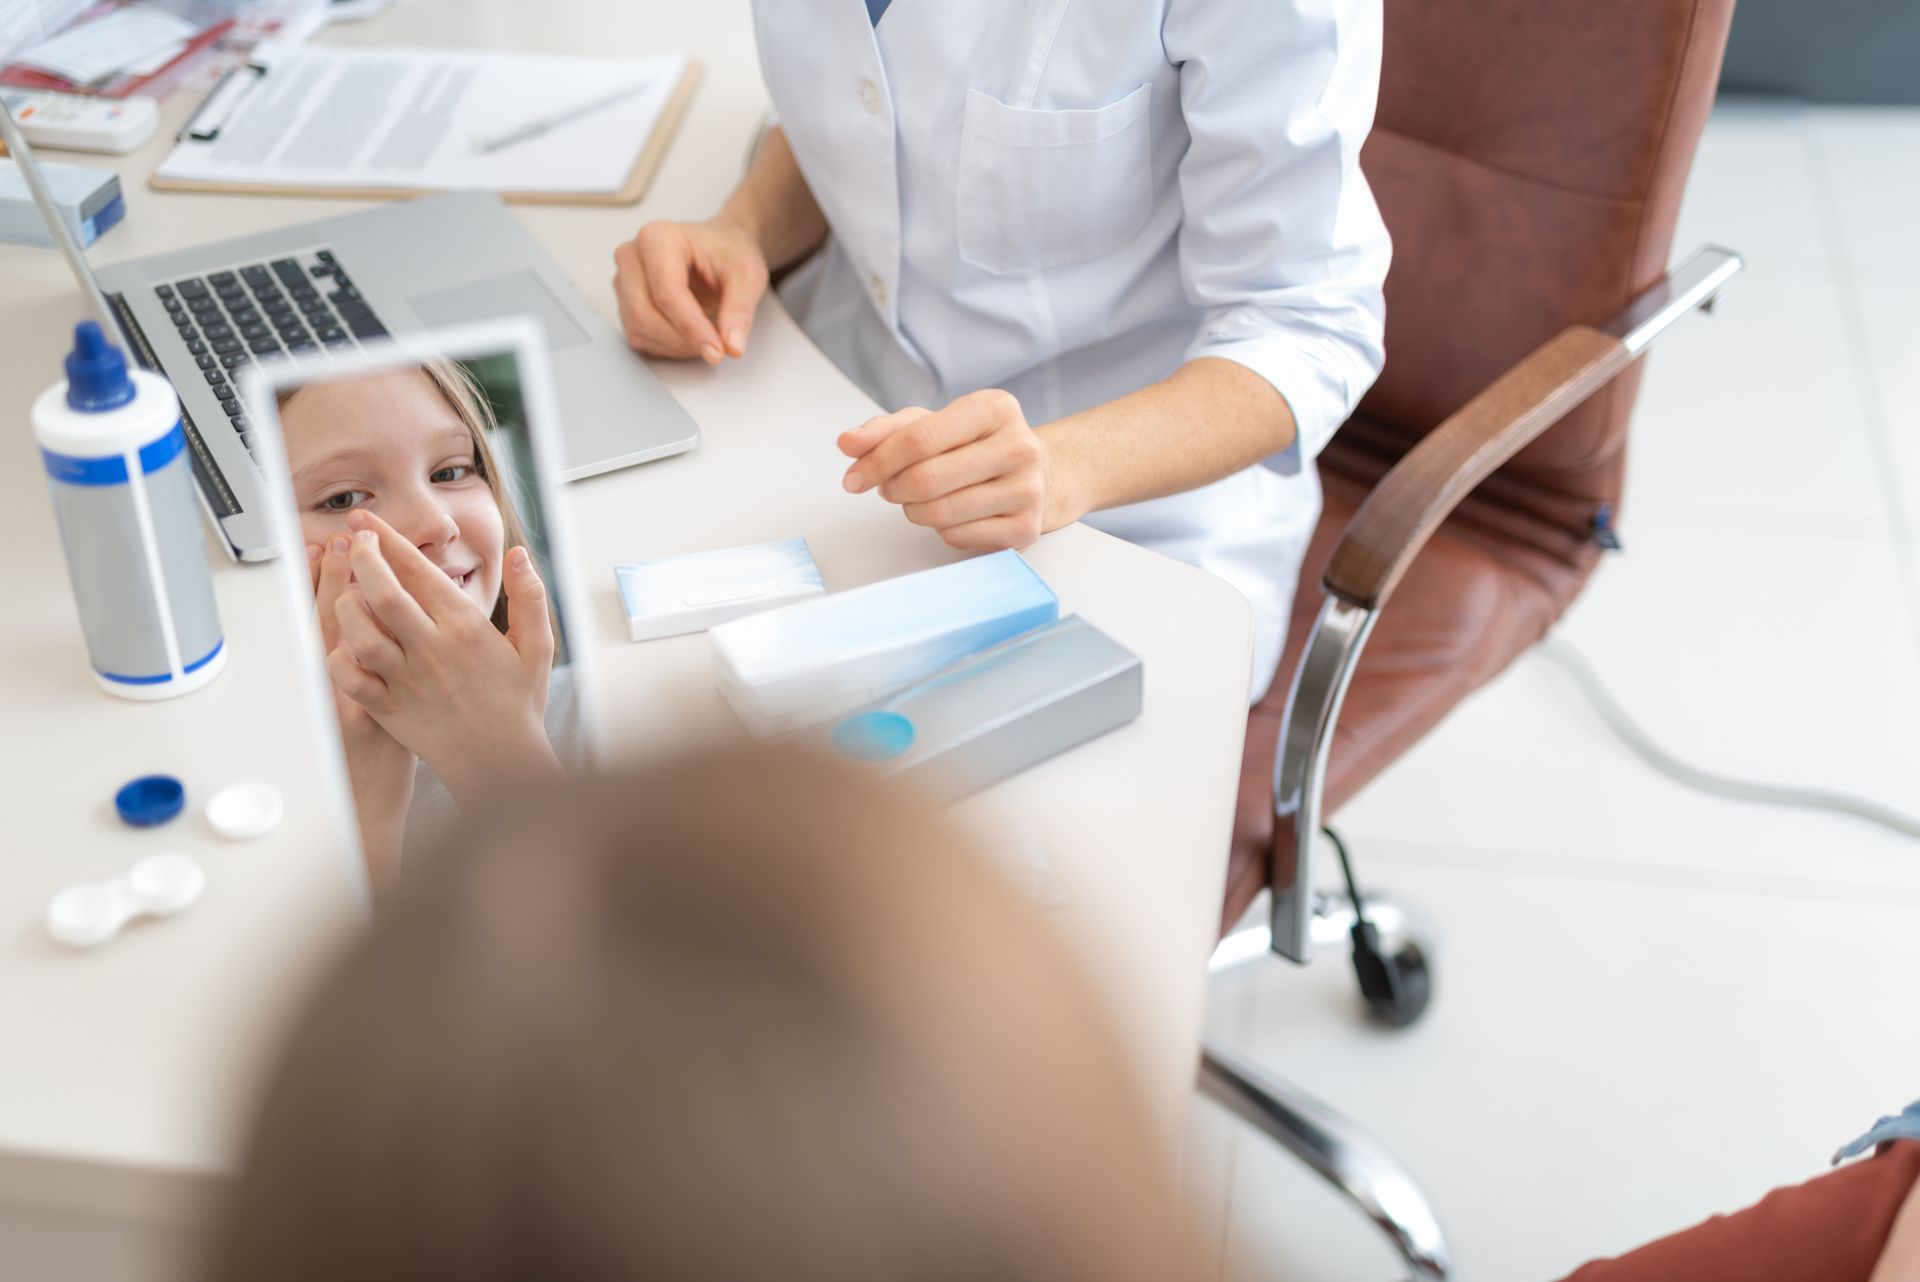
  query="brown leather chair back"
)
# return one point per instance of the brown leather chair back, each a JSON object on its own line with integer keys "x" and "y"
{"x": 1529, "y": 157}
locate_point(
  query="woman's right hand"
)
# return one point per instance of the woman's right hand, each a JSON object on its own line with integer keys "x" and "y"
{"x": 690, "y": 289}
{"x": 379, "y": 767}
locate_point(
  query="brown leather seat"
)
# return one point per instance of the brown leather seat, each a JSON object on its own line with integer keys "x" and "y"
{"x": 1529, "y": 160}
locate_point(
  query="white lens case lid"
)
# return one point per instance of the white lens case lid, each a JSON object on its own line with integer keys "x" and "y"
{"x": 244, "y": 811}
{"x": 91, "y": 914}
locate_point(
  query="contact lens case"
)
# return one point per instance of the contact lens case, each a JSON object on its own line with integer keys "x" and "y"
{"x": 89, "y": 915}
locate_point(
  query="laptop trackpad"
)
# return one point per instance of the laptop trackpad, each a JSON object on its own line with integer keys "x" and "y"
{"x": 495, "y": 298}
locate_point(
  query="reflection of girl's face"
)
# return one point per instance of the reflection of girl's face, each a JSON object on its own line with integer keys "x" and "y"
{"x": 391, "y": 444}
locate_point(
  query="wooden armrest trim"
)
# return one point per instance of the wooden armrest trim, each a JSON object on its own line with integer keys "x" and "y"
{"x": 1408, "y": 505}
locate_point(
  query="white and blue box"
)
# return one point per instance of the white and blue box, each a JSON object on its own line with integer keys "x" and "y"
{"x": 998, "y": 712}
{"x": 818, "y": 659}
{"x": 679, "y": 594}
{"x": 89, "y": 199}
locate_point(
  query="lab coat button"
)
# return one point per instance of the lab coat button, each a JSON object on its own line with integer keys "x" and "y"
{"x": 878, "y": 287}
{"x": 870, "y": 95}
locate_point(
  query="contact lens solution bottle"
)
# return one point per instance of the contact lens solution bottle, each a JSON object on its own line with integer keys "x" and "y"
{"x": 116, "y": 461}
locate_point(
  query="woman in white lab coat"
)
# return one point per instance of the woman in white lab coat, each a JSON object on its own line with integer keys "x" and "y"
{"x": 1112, "y": 261}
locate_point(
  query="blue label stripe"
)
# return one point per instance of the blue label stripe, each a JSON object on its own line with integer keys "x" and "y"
{"x": 158, "y": 454}
{"x": 164, "y": 677}
{"x": 71, "y": 469}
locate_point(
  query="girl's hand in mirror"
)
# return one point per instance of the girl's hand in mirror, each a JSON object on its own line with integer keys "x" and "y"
{"x": 379, "y": 767}
{"x": 428, "y": 663}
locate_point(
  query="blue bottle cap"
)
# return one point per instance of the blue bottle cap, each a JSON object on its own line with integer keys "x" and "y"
{"x": 873, "y": 736}
{"x": 96, "y": 371}
{"x": 150, "y": 800}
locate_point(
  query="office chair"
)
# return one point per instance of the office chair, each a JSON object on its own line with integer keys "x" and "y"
{"x": 1529, "y": 160}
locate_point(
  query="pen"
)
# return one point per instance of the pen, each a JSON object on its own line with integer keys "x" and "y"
{"x": 540, "y": 124}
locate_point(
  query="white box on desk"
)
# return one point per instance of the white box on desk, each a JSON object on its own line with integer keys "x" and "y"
{"x": 679, "y": 594}
{"x": 804, "y": 663}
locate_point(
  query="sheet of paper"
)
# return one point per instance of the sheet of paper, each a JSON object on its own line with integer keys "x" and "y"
{"x": 149, "y": 63}
{"x": 98, "y": 49}
{"x": 407, "y": 118}
{"x": 22, "y": 22}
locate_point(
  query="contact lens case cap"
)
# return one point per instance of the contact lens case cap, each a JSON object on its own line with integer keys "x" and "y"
{"x": 150, "y": 800}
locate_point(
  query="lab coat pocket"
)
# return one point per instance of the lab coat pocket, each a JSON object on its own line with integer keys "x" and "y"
{"x": 1042, "y": 189}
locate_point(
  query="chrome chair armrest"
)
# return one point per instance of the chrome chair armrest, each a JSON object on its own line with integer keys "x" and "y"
{"x": 1429, "y": 482}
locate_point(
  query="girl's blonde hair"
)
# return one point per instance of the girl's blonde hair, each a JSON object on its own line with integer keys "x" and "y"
{"x": 454, "y": 383}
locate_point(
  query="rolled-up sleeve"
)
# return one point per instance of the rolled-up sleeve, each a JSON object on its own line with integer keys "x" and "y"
{"x": 1281, "y": 245}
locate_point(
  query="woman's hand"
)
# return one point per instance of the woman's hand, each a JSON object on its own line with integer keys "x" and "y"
{"x": 433, "y": 670}
{"x": 974, "y": 472}
{"x": 379, "y": 768}
{"x": 690, "y": 289}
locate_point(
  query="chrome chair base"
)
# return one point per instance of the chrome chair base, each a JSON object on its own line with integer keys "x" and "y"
{"x": 1331, "y": 1144}
{"x": 1338, "y": 1150}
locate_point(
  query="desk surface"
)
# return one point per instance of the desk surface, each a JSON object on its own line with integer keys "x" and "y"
{"x": 125, "y": 1069}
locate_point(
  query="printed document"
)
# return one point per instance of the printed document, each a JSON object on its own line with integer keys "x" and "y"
{"x": 140, "y": 41}
{"x": 24, "y": 21}
{"x": 409, "y": 118}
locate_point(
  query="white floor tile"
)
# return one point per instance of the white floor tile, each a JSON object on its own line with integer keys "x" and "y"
{"x": 1867, "y": 168}
{"x": 1779, "y": 657}
{"x": 1752, "y": 185}
{"x": 1604, "y": 1062}
{"x": 1757, "y": 413}
{"x": 1289, "y": 1227}
{"x": 1887, "y": 304}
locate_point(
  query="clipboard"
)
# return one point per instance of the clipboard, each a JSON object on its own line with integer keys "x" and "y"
{"x": 646, "y": 163}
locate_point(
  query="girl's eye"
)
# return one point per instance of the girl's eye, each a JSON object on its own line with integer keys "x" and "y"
{"x": 344, "y": 501}
{"x": 454, "y": 472}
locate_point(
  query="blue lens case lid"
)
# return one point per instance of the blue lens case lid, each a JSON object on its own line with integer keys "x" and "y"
{"x": 150, "y": 800}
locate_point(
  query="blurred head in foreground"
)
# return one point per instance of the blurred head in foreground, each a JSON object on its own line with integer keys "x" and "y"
{"x": 739, "y": 1017}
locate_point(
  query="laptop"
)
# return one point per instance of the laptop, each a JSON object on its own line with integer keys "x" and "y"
{"x": 319, "y": 290}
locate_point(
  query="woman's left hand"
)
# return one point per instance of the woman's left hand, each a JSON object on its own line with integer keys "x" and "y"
{"x": 974, "y": 472}
{"x": 431, "y": 668}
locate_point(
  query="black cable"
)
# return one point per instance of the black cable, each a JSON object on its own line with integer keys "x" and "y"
{"x": 1396, "y": 986}
{"x": 1346, "y": 870}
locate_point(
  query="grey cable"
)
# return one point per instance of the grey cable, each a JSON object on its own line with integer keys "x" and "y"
{"x": 1570, "y": 661}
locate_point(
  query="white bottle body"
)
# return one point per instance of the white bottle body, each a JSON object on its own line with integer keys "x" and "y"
{"x": 129, "y": 520}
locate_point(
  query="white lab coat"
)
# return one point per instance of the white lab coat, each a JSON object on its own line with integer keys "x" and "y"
{"x": 1070, "y": 198}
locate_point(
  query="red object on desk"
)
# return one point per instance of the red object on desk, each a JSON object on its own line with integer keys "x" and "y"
{"x": 18, "y": 77}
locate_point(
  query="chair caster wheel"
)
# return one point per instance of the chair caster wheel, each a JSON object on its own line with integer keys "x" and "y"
{"x": 1396, "y": 986}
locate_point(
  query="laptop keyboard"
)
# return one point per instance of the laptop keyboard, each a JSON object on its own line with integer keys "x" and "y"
{"x": 301, "y": 305}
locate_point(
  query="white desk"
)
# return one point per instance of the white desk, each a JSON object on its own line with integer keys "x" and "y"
{"x": 122, "y": 1072}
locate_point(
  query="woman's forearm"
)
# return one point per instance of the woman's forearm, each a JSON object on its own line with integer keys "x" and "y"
{"x": 1208, "y": 420}
{"x": 774, "y": 204}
